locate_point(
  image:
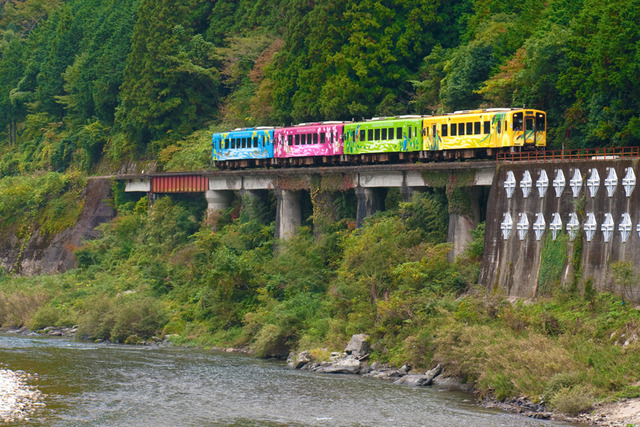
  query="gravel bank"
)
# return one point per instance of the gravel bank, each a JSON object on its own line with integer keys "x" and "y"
{"x": 17, "y": 399}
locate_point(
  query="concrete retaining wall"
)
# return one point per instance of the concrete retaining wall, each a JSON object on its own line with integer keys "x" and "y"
{"x": 514, "y": 264}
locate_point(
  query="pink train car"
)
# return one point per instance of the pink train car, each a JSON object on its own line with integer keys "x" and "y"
{"x": 309, "y": 139}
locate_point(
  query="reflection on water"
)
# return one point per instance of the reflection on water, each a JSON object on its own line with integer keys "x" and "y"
{"x": 99, "y": 385}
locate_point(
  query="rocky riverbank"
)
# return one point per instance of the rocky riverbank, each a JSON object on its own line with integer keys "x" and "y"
{"x": 354, "y": 361}
{"x": 18, "y": 400}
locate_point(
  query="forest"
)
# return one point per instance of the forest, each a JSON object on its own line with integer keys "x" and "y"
{"x": 85, "y": 84}
{"x": 89, "y": 85}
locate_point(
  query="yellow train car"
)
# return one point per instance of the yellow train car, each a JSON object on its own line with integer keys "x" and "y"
{"x": 490, "y": 128}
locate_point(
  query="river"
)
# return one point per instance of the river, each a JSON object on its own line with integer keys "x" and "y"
{"x": 91, "y": 384}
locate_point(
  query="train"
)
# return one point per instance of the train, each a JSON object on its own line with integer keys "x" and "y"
{"x": 461, "y": 135}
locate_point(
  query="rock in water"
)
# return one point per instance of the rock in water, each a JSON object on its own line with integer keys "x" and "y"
{"x": 291, "y": 360}
{"x": 420, "y": 380}
{"x": 302, "y": 359}
{"x": 347, "y": 365}
{"x": 358, "y": 346}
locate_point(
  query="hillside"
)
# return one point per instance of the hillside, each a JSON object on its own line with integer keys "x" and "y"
{"x": 85, "y": 82}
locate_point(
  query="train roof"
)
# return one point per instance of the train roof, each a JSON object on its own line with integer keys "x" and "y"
{"x": 489, "y": 110}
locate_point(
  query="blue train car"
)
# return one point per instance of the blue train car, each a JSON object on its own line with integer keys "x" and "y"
{"x": 241, "y": 144}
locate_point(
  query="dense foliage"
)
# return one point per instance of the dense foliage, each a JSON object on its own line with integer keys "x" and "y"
{"x": 86, "y": 85}
{"x": 139, "y": 78}
{"x": 160, "y": 272}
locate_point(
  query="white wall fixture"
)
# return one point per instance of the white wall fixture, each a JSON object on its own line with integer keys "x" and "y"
{"x": 607, "y": 227}
{"x": 556, "y": 225}
{"x": 590, "y": 226}
{"x": 542, "y": 183}
{"x": 625, "y": 227}
{"x": 510, "y": 184}
{"x": 539, "y": 226}
{"x": 593, "y": 183}
{"x": 526, "y": 184}
{"x": 576, "y": 183}
{"x": 573, "y": 226}
{"x": 611, "y": 182}
{"x": 506, "y": 226}
{"x": 629, "y": 182}
{"x": 523, "y": 226}
{"x": 559, "y": 183}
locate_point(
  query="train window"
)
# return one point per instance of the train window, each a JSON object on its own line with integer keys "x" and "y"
{"x": 425, "y": 131}
{"x": 410, "y": 131}
{"x": 469, "y": 128}
{"x": 363, "y": 135}
{"x": 370, "y": 135}
{"x": 297, "y": 139}
{"x": 444, "y": 130}
{"x": 517, "y": 121}
{"x": 290, "y": 139}
{"x": 255, "y": 142}
{"x": 454, "y": 129}
{"x": 540, "y": 122}
{"x": 226, "y": 144}
{"x": 499, "y": 127}
{"x": 315, "y": 138}
{"x": 398, "y": 133}
{"x": 322, "y": 138}
{"x": 377, "y": 134}
{"x": 487, "y": 128}
{"x": 384, "y": 134}
{"x": 415, "y": 131}
{"x": 529, "y": 123}
{"x": 460, "y": 128}
{"x": 435, "y": 131}
{"x": 476, "y": 128}
{"x": 390, "y": 133}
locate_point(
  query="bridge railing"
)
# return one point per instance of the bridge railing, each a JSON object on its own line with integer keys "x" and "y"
{"x": 607, "y": 153}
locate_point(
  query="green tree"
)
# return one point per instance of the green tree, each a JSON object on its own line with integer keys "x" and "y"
{"x": 170, "y": 83}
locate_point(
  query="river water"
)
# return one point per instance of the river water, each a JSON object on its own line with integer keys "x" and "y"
{"x": 105, "y": 385}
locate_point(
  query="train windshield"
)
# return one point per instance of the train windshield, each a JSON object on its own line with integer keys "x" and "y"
{"x": 540, "y": 122}
{"x": 517, "y": 121}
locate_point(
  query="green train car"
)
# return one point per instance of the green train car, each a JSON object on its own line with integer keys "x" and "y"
{"x": 384, "y": 135}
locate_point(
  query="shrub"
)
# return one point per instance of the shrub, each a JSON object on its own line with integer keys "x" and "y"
{"x": 17, "y": 308}
{"x": 98, "y": 319}
{"x": 269, "y": 341}
{"x": 44, "y": 316}
{"x": 137, "y": 319}
{"x": 562, "y": 380}
{"x": 572, "y": 400}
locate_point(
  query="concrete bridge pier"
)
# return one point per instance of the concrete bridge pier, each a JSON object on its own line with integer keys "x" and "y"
{"x": 288, "y": 213}
{"x": 370, "y": 201}
{"x": 217, "y": 201}
{"x": 464, "y": 216}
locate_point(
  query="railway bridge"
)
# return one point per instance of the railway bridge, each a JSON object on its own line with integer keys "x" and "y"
{"x": 568, "y": 218}
{"x": 368, "y": 181}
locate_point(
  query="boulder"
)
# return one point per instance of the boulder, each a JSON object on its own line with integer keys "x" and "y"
{"x": 291, "y": 359}
{"x": 420, "y": 380}
{"x": 302, "y": 359}
{"x": 358, "y": 346}
{"x": 364, "y": 368}
{"x": 347, "y": 365}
